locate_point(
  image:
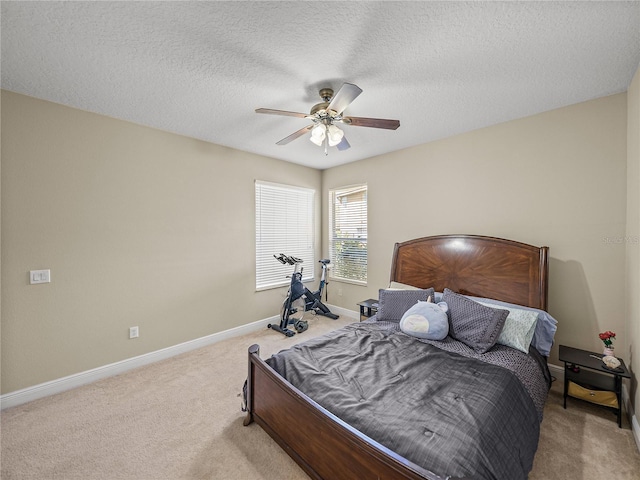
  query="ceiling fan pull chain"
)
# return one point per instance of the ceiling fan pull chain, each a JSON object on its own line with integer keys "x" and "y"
{"x": 326, "y": 144}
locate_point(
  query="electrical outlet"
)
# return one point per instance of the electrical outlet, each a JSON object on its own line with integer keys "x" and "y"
{"x": 134, "y": 332}
{"x": 339, "y": 292}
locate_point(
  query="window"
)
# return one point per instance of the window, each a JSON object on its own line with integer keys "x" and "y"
{"x": 348, "y": 233}
{"x": 284, "y": 224}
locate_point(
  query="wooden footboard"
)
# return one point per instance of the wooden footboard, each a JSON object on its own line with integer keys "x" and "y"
{"x": 322, "y": 444}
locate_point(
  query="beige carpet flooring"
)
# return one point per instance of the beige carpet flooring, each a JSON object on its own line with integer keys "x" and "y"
{"x": 180, "y": 419}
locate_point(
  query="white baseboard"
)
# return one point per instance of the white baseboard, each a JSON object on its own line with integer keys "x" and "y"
{"x": 635, "y": 428}
{"x": 52, "y": 387}
{"x": 343, "y": 311}
{"x": 557, "y": 371}
{"x": 633, "y": 420}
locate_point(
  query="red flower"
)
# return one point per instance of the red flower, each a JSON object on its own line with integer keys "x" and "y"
{"x": 607, "y": 337}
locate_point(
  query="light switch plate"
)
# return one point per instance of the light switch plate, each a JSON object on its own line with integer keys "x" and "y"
{"x": 39, "y": 276}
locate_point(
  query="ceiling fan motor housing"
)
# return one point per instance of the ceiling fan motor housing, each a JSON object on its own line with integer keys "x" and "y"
{"x": 326, "y": 94}
{"x": 319, "y": 106}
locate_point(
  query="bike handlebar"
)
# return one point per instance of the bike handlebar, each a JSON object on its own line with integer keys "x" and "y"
{"x": 284, "y": 259}
{"x": 291, "y": 260}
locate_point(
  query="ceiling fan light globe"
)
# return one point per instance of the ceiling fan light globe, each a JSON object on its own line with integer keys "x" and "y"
{"x": 335, "y": 135}
{"x": 318, "y": 134}
{"x": 316, "y": 141}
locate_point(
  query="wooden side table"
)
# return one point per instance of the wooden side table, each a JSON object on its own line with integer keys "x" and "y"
{"x": 586, "y": 378}
{"x": 368, "y": 308}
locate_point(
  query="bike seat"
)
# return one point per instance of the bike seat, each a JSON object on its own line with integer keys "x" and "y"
{"x": 324, "y": 261}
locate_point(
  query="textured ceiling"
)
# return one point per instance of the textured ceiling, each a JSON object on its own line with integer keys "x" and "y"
{"x": 201, "y": 68}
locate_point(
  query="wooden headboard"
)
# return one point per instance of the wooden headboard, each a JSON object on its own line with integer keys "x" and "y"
{"x": 475, "y": 265}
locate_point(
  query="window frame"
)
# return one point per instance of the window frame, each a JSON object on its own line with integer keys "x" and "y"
{"x": 334, "y": 272}
{"x": 270, "y": 273}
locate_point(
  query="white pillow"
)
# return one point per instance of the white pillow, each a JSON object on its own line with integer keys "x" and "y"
{"x": 437, "y": 296}
{"x": 401, "y": 286}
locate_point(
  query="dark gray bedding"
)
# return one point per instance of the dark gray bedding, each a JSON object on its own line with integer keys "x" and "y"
{"x": 452, "y": 414}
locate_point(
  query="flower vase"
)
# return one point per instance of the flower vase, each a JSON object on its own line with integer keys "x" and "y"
{"x": 608, "y": 351}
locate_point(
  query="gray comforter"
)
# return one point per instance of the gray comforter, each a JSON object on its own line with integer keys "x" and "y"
{"x": 452, "y": 414}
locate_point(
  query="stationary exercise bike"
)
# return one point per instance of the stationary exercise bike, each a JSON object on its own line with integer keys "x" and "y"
{"x": 300, "y": 299}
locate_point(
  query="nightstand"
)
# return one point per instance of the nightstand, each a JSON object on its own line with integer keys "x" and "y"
{"x": 368, "y": 308}
{"x": 592, "y": 381}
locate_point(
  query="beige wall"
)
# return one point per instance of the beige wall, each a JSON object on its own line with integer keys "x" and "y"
{"x": 555, "y": 179}
{"x": 138, "y": 226}
{"x": 633, "y": 236}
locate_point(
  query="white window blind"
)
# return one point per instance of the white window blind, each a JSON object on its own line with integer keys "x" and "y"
{"x": 284, "y": 224}
{"x": 348, "y": 233}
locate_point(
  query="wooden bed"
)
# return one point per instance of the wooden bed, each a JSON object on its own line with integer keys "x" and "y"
{"x": 328, "y": 448}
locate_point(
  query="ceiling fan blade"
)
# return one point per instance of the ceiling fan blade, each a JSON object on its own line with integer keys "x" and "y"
{"x": 343, "y": 145}
{"x": 281, "y": 112}
{"x": 294, "y": 135}
{"x": 372, "y": 122}
{"x": 341, "y": 100}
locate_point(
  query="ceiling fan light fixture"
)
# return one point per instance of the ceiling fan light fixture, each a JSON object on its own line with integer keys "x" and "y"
{"x": 325, "y": 114}
{"x": 318, "y": 134}
{"x": 335, "y": 135}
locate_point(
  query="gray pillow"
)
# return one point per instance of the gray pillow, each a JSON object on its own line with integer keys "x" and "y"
{"x": 393, "y": 303}
{"x": 473, "y": 324}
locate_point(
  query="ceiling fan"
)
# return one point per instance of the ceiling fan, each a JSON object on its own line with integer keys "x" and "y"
{"x": 327, "y": 114}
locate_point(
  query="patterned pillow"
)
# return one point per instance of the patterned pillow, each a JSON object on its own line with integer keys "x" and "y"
{"x": 473, "y": 324}
{"x": 393, "y": 303}
{"x": 518, "y": 329}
